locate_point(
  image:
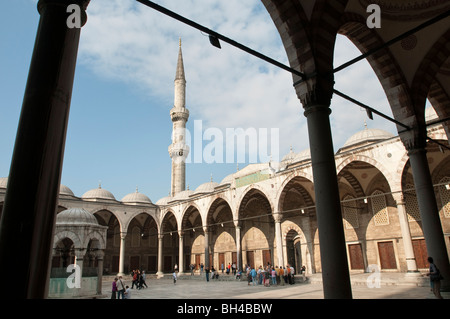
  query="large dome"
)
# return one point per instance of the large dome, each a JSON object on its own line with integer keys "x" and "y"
{"x": 136, "y": 198}
{"x": 78, "y": 216}
{"x": 98, "y": 193}
{"x": 368, "y": 135}
{"x": 206, "y": 188}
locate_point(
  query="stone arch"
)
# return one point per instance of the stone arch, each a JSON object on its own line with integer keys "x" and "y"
{"x": 364, "y": 159}
{"x": 75, "y": 238}
{"x": 281, "y": 189}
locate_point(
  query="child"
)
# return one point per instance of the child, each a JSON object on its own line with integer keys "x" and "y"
{"x": 174, "y": 277}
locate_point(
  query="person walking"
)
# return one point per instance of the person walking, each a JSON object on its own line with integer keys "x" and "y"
{"x": 207, "y": 273}
{"x": 142, "y": 282}
{"x": 253, "y": 274}
{"x": 114, "y": 289}
{"x": 435, "y": 278}
{"x": 174, "y": 275}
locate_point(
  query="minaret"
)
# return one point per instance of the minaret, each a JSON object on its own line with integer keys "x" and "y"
{"x": 178, "y": 150}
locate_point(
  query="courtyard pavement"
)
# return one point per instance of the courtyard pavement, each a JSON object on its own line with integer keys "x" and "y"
{"x": 364, "y": 286}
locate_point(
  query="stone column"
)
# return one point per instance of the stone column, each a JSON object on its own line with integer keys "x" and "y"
{"x": 238, "y": 248}
{"x": 429, "y": 213}
{"x": 411, "y": 264}
{"x": 122, "y": 254}
{"x": 160, "y": 256}
{"x": 100, "y": 254}
{"x": 35, "y": 171}
{"x": 279, "y": 239}
{"x": 335, "y": 270}
{"x": 206, "y": 231}
{"x": 180, "y": 252}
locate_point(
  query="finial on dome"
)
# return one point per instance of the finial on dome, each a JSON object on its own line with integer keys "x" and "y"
{"x": 365, "y": 124}
{"x": 137, "y": 189}
{"x": 211, "y": 177}
{"x": 99, "y": 184}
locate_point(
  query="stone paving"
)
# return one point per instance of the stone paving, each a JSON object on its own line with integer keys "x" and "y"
{"x": 391, "y": 286}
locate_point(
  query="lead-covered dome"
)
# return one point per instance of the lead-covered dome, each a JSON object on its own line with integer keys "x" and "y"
{"x": 164, "y": 200}
{"x": 98, "y": 194}
{"x": 78, "y": 216}
{"x": 367, "y": 136}
{"x": 64, "y": 190}
{"x": 136, "y": 198}
{"x": 183, "y": 195}
{"x": 206, "y": 188}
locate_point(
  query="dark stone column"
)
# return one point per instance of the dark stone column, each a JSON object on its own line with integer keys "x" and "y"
{"x": 28, "y": 218}
{"x": 429, "y": 213}
{"x": 335, "y": 271}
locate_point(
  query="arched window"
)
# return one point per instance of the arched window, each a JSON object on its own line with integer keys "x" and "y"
{"x": 379, "y": 209}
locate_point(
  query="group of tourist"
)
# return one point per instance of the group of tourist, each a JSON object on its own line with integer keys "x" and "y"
{"x": 122, "y": 291}
{"x": 271, "y": 275}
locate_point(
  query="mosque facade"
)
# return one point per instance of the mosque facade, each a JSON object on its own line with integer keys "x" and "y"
{"x": 263, "y": 213}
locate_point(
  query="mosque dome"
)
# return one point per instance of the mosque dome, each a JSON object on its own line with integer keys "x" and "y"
{"x": 98, "y": 193}
{"x": 227, "y": 179}
{"x": 366, "y": 136}
{"x": 303, "y": 155}
{"x": 164, "y": 200}
{"x": 206, "y": 188}
{"x": 3, "y": 182}
{"x": 183, "y": 195}
{"x": 78, "y": 216}
{"x": 136, "y": 198}
{"x": 64, "y": 190}
{"x": 289, "y": 157}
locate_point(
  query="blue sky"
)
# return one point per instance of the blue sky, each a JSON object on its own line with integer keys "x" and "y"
{"x": 119, "y": 126}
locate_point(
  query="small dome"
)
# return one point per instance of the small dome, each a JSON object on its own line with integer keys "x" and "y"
{"x": 3, "y": 182}
{"x": 164, "y": 200}
{"x": 227, "y": 180}
{"x": 303, "y": 155}
{"x": 368, "y": 135}
{"x": 64, "y": 190}
{"x": 98, "y": 193}
{"x": 289, "y": 157}
{"x": 206, "y": 188}
{"x": 78, "y": 216}
{"x": 136, "y": 198}
{"x": 183, "y": 195}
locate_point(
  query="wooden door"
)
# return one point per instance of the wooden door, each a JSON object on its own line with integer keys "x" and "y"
{"x": 420, "y": 253}
{"x": 115, "y": 264}
{"x": 234, "y": 258}
{"x": 356, "y": 256}
{"x": 266, "y": 258}
{"x": 387, "y": 255}
{"x": 168, "y": 267}
{"x": 251, "y": 258}
{"x": 151, "y": 263}
{"x": 197, "y": 262}
{"x": 221, "y": 261}
{"x": 134, "y": 263}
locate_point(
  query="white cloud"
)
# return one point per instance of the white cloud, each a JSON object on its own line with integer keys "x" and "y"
{"x": 128, "y": 41}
